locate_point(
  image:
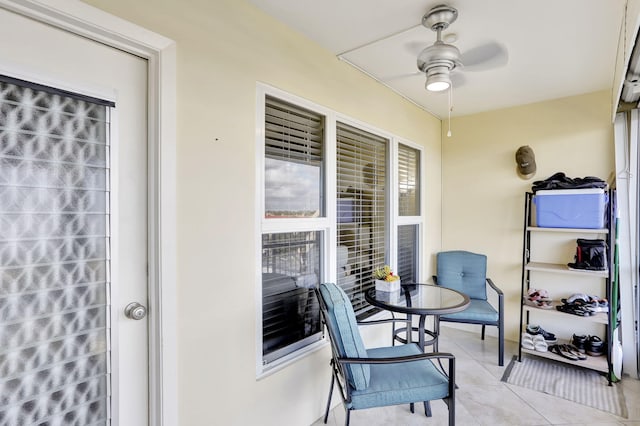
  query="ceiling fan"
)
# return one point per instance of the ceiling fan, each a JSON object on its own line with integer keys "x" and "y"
{"x": 441, "y": 59}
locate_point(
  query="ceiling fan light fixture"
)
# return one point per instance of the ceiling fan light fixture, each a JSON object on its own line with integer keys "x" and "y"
{"x": 438, "y": 80}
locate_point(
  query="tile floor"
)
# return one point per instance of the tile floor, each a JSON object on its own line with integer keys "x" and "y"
{"x": 482, "y": 399}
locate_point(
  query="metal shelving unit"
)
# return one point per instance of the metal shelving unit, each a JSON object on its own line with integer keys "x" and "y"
{"x": 601, "y": 363}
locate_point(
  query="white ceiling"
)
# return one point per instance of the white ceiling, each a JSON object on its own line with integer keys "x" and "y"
{"x": 556, "y": 48}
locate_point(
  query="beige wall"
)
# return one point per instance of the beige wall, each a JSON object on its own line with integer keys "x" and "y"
{"x": 483, "y": 197}
{"x": 224, "y": 47}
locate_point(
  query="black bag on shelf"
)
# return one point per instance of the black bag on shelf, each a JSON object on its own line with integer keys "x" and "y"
{"x": 590, "y": 255}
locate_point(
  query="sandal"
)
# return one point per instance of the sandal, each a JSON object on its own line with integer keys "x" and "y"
{"x": 539, "y": 344}
{"x": 563, "y": 352}
{"x": 574, "y": 309}
{"x": 595, "y": 346}
{"x": 576, "y": 352}
{"x": 527, "y": 341}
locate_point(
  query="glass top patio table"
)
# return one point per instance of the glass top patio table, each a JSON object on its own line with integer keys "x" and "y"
{"x": 422, "y": 300}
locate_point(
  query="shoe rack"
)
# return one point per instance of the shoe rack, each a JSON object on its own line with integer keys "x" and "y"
{"x": 546, "y": 252}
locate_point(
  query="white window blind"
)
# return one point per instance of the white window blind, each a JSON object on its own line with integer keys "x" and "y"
{"x": 294, "y": 138}
{"x": 362, "y": 208}
{"x": 408, "y": 253}
{"x": 290, "y": 271}
{"x": 408, "y": 181}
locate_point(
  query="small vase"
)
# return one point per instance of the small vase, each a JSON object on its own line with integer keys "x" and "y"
{"x": 388, "y": 286}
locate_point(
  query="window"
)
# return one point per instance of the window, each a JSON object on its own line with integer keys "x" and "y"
{"x": 293, "y": 190}
{"x": 408, "y": 253}
{"x": 304, "y": 209}
{"x": 293, "y": 160}
{"x": 408, "y": 181}
{"x": 362, "y": 200}
{"x": 409, "y": 212}
{"x": 290, "y": 271}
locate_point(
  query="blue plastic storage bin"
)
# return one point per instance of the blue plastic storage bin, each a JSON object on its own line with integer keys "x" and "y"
{"x": 571, "y": 208}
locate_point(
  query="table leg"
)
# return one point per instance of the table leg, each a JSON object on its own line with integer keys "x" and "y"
{"x": 421, "y": 331}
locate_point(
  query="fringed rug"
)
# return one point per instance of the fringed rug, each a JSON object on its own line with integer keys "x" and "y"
{"x": 586, "y": 387}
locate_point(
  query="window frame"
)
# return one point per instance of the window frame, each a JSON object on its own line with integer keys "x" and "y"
{"x": 418, "y": 220}
{"x": 327, "y": 224}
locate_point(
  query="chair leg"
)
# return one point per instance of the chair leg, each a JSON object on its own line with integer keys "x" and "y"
{"x": 427, "y": 408}
{"x": 452, "y": 411}
{"x": 412, "y": 408}
{"x": 347, "y": 417}
{"x": 482, "y": 336}
{"x": 500, "y": 346}
{"x": 326, "y": 412}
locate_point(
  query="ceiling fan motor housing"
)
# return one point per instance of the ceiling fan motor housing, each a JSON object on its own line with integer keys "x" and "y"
{"x": 439, "y": 55}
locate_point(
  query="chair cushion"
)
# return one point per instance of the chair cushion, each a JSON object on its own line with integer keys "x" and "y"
{"x": 400, "y": 383}
{"x": 463, "y": 271}
{"x": 342, "y": 321}
{"x": 478, "y": 310}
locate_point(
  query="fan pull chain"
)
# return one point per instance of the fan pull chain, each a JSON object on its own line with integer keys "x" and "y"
{"x": 450, "y": 108}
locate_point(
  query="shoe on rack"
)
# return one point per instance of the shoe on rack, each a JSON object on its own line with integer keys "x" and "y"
{"x": 540, "y": 303}
{"x": 538, "y": 298}
{"x": 598, "y": 305}
{"x": 527, "y": 342}
{"x": 575, "y": 351}
{"x": 539, "y": 344}
{"x": 595, "y": 346}
{"x": 580, "y": 342}
{"x": 577, "y": 298}
{"x": 536, "y": 329}
{"x": 574, "y": 309}
{"x": 563, "y": 351}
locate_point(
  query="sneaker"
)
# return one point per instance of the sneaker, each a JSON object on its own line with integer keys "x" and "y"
{"x": 577, "y": 298}
{"x": 580, "y": 342}
{"x": 598, "y": 305}
{"x": 538, "y": 298}
{"x": 536, "y": 329}
{"x": 540, "y": 303}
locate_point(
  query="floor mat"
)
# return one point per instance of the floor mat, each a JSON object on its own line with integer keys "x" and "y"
{"x": 586, "y": 387}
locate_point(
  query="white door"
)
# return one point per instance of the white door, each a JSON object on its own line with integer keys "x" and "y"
{"x": 73, "y": 229}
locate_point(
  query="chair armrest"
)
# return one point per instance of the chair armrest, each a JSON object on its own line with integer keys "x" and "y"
{"x": 395, "y": 360}
{"x": 494, "y": 287}
{"x": 382, "y": 321}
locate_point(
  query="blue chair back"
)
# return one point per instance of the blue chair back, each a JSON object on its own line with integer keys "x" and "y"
{"x": 463, "y": 271}
{"x": 344, "y": 332}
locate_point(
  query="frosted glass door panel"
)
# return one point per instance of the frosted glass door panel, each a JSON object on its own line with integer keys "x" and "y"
{"x": 54, "y": 259}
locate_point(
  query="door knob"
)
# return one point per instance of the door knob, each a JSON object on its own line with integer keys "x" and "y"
{"x": 135, "y": 311}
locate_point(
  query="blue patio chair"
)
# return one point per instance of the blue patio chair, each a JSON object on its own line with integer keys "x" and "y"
{"x": 384, "y": 376}
{"x": 467, "y": 272}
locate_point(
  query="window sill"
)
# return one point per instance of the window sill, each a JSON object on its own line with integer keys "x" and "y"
{"x": 266, "y": 371}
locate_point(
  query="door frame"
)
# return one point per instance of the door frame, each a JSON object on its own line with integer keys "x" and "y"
{"x": 160, "y": 53}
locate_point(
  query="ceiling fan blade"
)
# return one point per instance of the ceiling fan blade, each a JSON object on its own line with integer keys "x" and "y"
{"x": 485, "y": 57}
